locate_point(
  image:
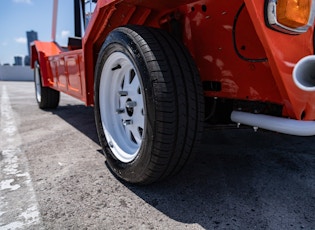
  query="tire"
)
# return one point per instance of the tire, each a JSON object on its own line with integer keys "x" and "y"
{"x": 149, "y": 105}
{"x": 46, "y": 97}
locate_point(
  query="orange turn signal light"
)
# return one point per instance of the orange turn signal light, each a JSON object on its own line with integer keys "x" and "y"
{"x": 294, "y": 13}
{"x": 290, "y": 16}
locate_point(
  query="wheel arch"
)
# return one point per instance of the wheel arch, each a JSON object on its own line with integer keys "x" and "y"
{"x": 110, "y": 15}
{"x": 34, "y": 55}
{"x": 40, "y": 51}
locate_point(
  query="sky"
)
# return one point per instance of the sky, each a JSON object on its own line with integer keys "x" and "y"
{"x": 19, "y": 16}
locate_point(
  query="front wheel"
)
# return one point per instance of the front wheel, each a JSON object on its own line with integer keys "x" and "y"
{"x": 148, "y": 104}
{"x": 46, "y": 97}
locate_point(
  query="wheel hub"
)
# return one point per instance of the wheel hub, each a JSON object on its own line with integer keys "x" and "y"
{"x": 129, "y": 106}
{"x": 122, "y": 113}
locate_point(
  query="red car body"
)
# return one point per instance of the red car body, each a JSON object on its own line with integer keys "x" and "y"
{"x": 207, "y": 33}
{"x": 240, "y": 57}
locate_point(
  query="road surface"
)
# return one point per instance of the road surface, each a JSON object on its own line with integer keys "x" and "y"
{"x": 53, "y": 176}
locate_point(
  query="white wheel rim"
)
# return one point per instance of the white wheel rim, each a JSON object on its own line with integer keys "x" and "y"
{"x": 37, "y": 83}
{"x": 121, "y": 103}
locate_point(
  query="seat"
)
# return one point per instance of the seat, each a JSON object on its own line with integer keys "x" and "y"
{"x": 74, "y": 43}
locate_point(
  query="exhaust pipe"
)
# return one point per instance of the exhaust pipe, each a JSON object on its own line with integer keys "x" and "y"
{"x": 304, "y": 73}
{"x": 277, "y": 124}
{"x": 304, "y": 78}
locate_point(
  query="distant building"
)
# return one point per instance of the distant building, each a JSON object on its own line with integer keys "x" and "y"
{"x": 27, "y": 60}
{"x": 17, "y": 60}
{"x": 31, "y": 36}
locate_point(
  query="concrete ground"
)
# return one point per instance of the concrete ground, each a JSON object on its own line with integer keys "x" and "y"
{"x": 53, "y": 176}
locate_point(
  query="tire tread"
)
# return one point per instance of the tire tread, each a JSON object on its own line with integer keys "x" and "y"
{"x": 174, "y": 60}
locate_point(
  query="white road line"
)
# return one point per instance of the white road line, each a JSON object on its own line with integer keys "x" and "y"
{"x": 18, "y": 204}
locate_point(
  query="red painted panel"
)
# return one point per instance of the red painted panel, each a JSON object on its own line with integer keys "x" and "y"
{"x": 209, "y": 36}
{"x": 74, "y": 75}
{"x": 283, "y": 52}
{"x": 62, "y": 74}
{"x": 68, "y": 73}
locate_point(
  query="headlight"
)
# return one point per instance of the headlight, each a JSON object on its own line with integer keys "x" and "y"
{"x": 290, "y": 16}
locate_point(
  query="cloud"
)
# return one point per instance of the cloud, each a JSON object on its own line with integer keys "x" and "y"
{"x": 21, "y": 40}
{"x": 23, "y": 1}
{"x": 65, "y": 33}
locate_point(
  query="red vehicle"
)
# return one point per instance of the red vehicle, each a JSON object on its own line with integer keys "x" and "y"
{"x": 156, "y": 70}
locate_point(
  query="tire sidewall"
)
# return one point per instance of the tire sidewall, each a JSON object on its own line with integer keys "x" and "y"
{"x": 49, "y": 98}
{"x": 120, "y": 41}
{"x": 37, "y": 81}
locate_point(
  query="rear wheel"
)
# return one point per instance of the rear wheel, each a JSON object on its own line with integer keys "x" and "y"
{"x": 46, "y": 97}
{"x": 148, "y": 104}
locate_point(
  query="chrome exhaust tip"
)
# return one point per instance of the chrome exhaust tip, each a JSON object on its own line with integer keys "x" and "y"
{"x": 304, "y": 73}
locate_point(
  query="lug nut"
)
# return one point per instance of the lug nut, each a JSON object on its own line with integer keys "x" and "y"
{"x": 123, "y": 93}
{"x": 131, "y": 104}
{"x": 127, "y": 122}
{"x": 120, "y": 111}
